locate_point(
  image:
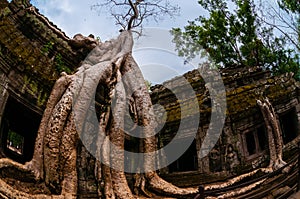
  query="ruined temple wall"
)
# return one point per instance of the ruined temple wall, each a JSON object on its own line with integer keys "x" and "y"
{"x": 27, "y": 72}
{"x": 248, "y": 123}
{"x": 3, "y": 99}
{"x": 3, "y": 93}
{"x": 33, "y": 53}
{"x": 244, "y": 122}
{"x": 30, "y": 63}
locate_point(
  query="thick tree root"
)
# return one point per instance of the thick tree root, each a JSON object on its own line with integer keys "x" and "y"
{"x": 274, "y": 136}
{"x": 8, "y": 192}
{"x": 161, "y": 186}
{"x": 65, "y": 121}
{"x": 234, "y": 193}
{"x": 59, "y": 88}
{"x": 237, "y": 179}
{"x": 275, "y": 149}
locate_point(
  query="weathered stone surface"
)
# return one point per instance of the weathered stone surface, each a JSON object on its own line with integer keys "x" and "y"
{"x": 33, "y": 52}
{"x": 243, "y": 87}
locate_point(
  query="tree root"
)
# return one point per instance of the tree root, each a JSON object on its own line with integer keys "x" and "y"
{"x": 237, "y": 179}
{"x": 274, "y": 136}
{"x": 161, "y": 186}
{"x": 54, "y": 160}
{"x": 59, "y": 88}
{"x": 239, "y": 191}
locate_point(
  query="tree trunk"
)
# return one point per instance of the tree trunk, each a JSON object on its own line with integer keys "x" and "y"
{"x": 65, "y": 122}
{"x": 274, "y": 137}
{"x": 117, "y": 138}
{"x": 36, "y": 164}
{"x": 66, "y": 119}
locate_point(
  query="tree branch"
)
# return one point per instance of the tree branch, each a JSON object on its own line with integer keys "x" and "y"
{"x": 136, "y": 12}
{"x": 130, "y": 14}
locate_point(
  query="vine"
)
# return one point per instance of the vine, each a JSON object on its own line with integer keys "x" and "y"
{"x": 47, "y": 47}
{"x": 60, "y": 64}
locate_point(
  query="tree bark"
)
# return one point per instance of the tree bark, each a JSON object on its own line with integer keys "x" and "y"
{"x": 108, "y": 186}
{"x": 53, "y": 138}
{"x": 145, "y": 114}
{"x": 69, "y": 157}
{"x": 117, "y": 138}
{"x": 66, "y": 120}
{"x": 36, "y": 164}
{"x": 274, "y": 136}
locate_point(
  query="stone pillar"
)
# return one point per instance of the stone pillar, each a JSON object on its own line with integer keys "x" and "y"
{"x": 298, "y": 115}
{"x": 203, "y": 163}
{"x": 198, "y": 148}
{"x": 3, "y": 94}
{"x": 3, "y": 99}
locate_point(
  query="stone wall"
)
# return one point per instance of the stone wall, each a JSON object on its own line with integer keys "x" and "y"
{"x": 244, "y": 122}
{"x": 33, "y": 53}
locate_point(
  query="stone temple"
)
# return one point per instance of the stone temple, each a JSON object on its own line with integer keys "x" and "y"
{"x": 33, "y": 53}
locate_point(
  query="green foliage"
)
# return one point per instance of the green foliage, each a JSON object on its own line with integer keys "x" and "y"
{"x": 42, "y": 98}
{"x": 5, "y": 12}
{"x": 148, "y": 84}
{"x": 15, "y": 139}
{"x": 47, "y": 47}
{"x": 58, "y": 59}
{"x": 290, "y": 5}
{"x": 60, "y": 64}
{"x": 235, "y": 37}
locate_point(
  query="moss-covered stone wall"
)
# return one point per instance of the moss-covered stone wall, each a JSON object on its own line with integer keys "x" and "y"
{"x": 33, "y": 51}
{"x": 243, "y": 87}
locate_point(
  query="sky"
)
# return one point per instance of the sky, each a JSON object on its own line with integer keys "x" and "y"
{"x": 76, "y": 16}
{"x": 155, "y": 53}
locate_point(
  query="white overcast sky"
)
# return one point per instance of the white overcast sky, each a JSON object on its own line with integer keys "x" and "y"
{"x": 158, "y": 62}
{"x": 76, "y": 16}
{"x": 155, "y": 54}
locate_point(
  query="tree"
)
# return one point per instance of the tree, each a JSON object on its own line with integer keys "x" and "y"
{"x": 235, "y": 37}
{"x": 131, "y": 15}
{"x": 283, "y": 18}
{"x": 274, "y": 138}
{"x": 62, "y": 125}
{"x": 69, "y": 117}
{"x": 290, "y": 20}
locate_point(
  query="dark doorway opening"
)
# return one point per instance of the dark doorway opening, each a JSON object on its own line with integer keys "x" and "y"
{"x": 187, "y": 162}
{"x": 19, "y": 128}
{"x": 256, "y": 141}
{"x": 289, "y": 125}
{"x": 251, "y": 144}
{"x": 262, "y": 138}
